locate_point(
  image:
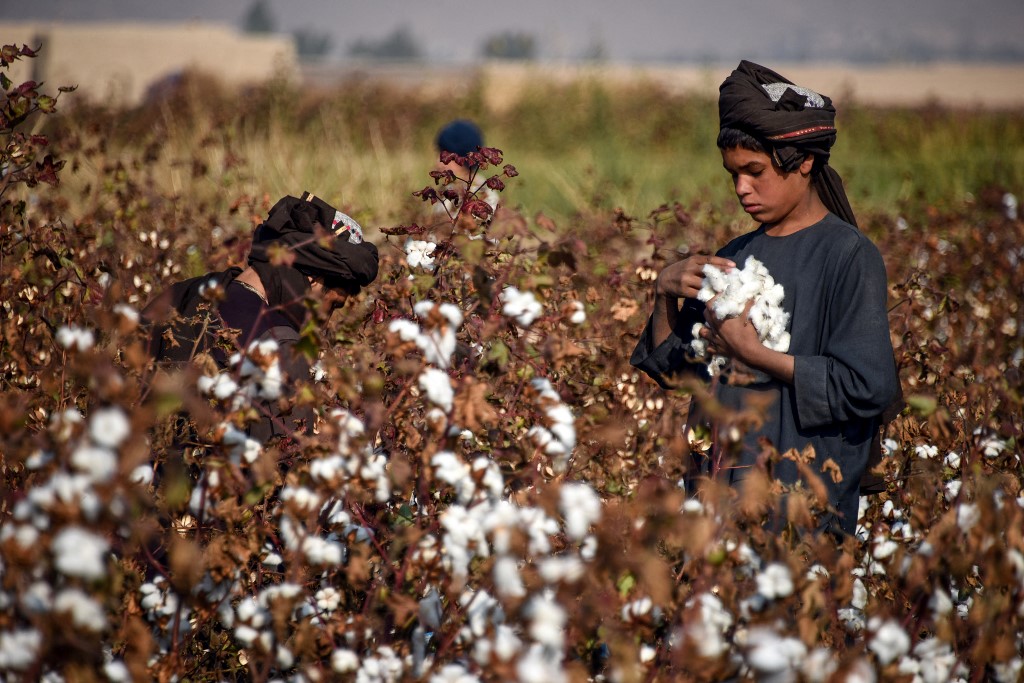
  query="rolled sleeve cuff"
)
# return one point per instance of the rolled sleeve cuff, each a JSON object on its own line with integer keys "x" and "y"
{"x": 810, "y": 387}
{"x": 663, "y": 362}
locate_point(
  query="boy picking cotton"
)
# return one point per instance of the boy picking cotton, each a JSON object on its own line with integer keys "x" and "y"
{"x": 830, "y": 386}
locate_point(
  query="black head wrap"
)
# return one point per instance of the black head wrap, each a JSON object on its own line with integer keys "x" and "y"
{"x": 790, "y": 121}
{"x": 346, "y": 262}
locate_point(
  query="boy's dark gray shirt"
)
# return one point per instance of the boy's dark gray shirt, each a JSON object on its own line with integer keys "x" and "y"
{"x": 844, "y": 375}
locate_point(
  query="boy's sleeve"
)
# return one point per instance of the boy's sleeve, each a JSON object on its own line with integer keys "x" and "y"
{"x": 669, "y": 359}
{"x": 855, "y": 375}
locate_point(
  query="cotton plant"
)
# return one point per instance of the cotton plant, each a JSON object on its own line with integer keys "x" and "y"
{"x": 558, "y": 438}
{"x": 522, "y": 307}
{"x": 436, "y": 336}
{"x": 419, "y": 254}
{"x": 728, "y": 293}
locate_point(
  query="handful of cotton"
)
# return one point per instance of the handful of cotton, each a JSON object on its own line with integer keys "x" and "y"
{"x": 731, "y": 291}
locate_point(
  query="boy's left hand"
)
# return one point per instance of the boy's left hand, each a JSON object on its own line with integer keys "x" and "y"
{"x": 732, "y": 337}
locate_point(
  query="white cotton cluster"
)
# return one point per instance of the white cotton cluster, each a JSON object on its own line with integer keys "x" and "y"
{"x": 259, "y": 370}
{"x": 85, "y": 612}
{"x": 127, "y": 312}
{"x": 109, "y": 427}
{"x": 419, "y": 254}
{"x": 547, "y": 621}
{"x": 889, "y": 640}
{"x": 559, "y": 438}
{"x": 222, "y": 386}
{"x": 540, "y": 665}
{"x": 1010, "y": 206}
{"x": 637, "y": 609}
{"x": 19, "y": 649}
{"x": 731, "y": 290}
{"x": 437, "y": 342}
{"x": 384, "y": 667}
{"x": 301, "y": 498}
{"x": 96, "y": 462}
{"x": 356, "y": 463}
{"x": 503, "y": 647}
{"x": 933, "y": 661}
{"x": 240, "y": 446}
{"x": 75, "y": 338}
{"x": 80, "y": 553}
{"x": 522, "y": 306}
{"x": 62, "y": 489}
{"x": 580, "y": 507}
{"x": 708, "y": 625}
{"x": 317, "y": 550}
{"x": 774, "y": 581}
{"x": 454, "y": 673}
{"x": 437, "y": 385}
{"x": 577, "y": 314}
{"x": 772, "y": 656}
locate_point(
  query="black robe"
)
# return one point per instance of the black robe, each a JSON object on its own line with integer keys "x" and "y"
{"x": 844, "y": 374}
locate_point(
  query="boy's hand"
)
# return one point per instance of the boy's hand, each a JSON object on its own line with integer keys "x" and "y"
{"x": 683, "y": 279}
{"x": 733, "y": 337}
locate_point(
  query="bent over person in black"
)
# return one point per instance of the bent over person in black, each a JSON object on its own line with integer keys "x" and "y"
{"x": 266, "y": 300}
{"x": 830, "y": 388}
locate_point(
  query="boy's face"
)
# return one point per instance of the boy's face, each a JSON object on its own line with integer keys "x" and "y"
{"x": 766, "y": 192}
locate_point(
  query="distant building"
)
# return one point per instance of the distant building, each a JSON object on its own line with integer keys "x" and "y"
{"x": 119, "y": 62}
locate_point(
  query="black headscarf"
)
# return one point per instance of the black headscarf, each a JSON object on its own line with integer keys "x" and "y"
{"x": 303, "y": 228}
{"x": 790, "y": 121}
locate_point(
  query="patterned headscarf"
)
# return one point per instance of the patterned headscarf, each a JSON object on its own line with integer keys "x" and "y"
{"x": 790, "y": 121}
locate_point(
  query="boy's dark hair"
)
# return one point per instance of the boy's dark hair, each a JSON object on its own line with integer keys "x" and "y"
{"x": 729, "y": 138}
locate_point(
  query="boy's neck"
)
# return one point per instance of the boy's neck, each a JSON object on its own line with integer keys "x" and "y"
{"x": 806, "y": 214}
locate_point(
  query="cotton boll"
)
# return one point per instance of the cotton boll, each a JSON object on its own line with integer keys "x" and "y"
{"x": 99, "y": 463}
{"x": 889, "y": 641}
{"x": 775, "y": 581}
{"x": 507, "y": 581}
{"x": 581, "y": 507}
{"x": 547, "y": 621}
{"x": 344, "y": 661}
{"x": 522, "y": 306}
{"x": 419, "y": 254}
{"x": 80, "y": 553}
{"x": 84, "y": 611}
{"x": 109, "y": 427}
{"x": 438, "y": 388}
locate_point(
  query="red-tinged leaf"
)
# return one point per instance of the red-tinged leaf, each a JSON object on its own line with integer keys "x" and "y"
{"x": 413, "y": 229}
{"x": 450, "y": 195}
{"x": 447, "y": 176}
{"x": 495, "y": 183}
{"x": 427, "y": 194}
{"x": 479, "y": 208}
{"x": 8, "y": 54}
{"x": 449, "y": 157}
{"x": 492, "y": 155}
{"x": 40, "y": 140}
{"x": 510, "y": 171}
{"x": 26, "y": 51}
{"x": 46, "y": 104}
{"x": 46, "y": 170}
{"x": 27, "y": 88}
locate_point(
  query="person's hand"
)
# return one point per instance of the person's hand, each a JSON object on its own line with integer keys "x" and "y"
{"x": 732, "y": 337}
{"x": 683, "y": 279}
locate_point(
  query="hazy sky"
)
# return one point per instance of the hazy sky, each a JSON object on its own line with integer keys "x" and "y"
{"x": 723, "y": 30}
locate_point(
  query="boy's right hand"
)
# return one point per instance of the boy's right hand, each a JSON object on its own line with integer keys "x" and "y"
{"x": 683, "y": 279}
